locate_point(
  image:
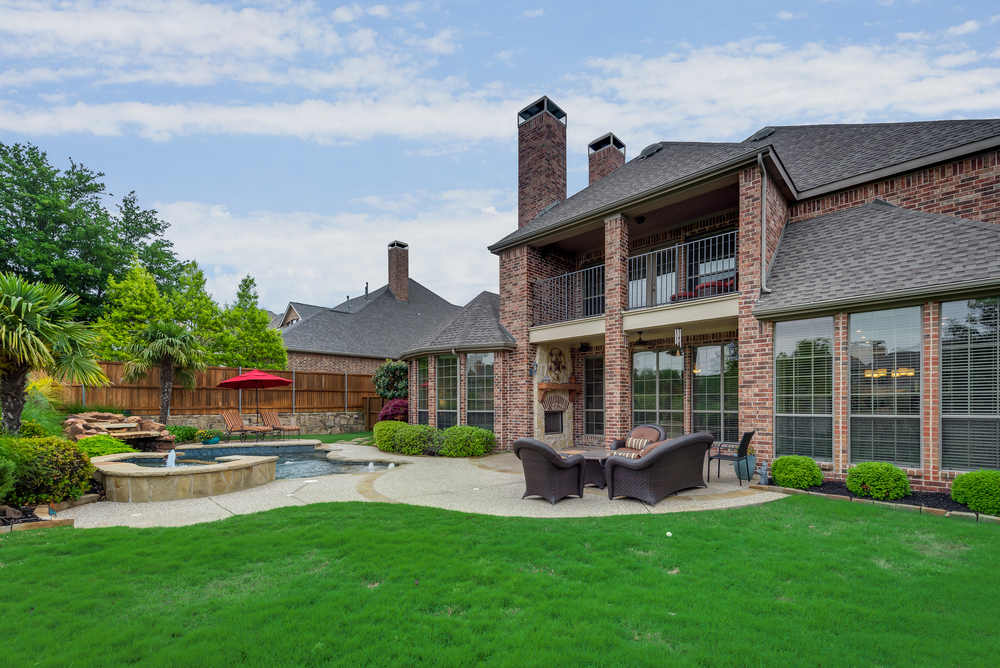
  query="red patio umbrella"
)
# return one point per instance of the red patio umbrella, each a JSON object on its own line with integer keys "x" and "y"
{"x": 255, "y": 379}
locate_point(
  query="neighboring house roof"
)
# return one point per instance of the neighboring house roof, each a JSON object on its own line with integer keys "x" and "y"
{"x": 275, "y": 319}
{"x": 815, "y": 159}
{"x": 476, "y": 327}
{"x": 383, "y": 327}
{"x": 877, "y": 255}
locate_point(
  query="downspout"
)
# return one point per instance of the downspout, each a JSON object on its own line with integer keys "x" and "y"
{"x": 763, "y": 224}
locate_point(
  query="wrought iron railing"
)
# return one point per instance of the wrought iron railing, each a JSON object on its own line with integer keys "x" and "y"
{"x": 572, "y": 296}
{"x": 702, "y": 268}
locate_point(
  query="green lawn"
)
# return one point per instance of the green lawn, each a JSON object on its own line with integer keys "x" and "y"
{"x": 799, "y": 582}
{"x": 334, "y": 438}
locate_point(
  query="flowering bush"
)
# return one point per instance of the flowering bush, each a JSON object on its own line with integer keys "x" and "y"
{"x": 397, "y": 409}
{"x": 206, "y": 434}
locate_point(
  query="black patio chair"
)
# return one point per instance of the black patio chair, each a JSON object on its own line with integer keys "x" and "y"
{"x": 740, "y": 456}
{"x": 546, "y": 473}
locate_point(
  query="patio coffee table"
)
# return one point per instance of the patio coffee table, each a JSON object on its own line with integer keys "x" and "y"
{"x": 594, "y": 471}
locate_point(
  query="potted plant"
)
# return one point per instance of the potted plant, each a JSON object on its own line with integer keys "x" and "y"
{"x": 208, "y": 436}
{"x": 745, "y": 468}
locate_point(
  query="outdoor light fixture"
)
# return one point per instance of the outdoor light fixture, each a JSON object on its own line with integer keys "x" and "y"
{"x": 733, "y": 351}
{"x": 639, "y": 220}
{"x": 584, "y": 347}
{"x": 532, "y": 369}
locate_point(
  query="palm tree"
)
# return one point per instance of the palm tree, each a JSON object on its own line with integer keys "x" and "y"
{"x": 174, "y": 350}
{"x": 38, "y": 333}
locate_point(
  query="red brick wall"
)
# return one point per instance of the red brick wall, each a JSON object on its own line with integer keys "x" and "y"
{"x": 541, "y": 165}
{"x": 930, "y": 387}
{"x": 332, "y": 363}
{"x": 399, "y": 273}
{"x": 617, "y": 349}
{"x": 969, "y": 188}
{"x": 603, "y": 162}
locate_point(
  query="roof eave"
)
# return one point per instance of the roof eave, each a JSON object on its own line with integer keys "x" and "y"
{"x": 341, "y": 353}
{"x": 983, "y": 287}
{"x": 695, "y": 179}
{"x": 469, "y": 348}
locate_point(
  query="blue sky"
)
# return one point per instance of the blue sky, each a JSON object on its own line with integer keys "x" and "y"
{"x": 295, "y": 140}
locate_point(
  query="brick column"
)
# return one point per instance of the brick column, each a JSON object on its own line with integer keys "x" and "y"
{"x": 841, "y": 397}
{"x": 756, "y": 338}
{"x": 432, "y": 391}
{"x": 930, "y": 389}
{"x": 518, "y": 409}
{"x": 577, "y": 358}
{"x": 617, "y": 365}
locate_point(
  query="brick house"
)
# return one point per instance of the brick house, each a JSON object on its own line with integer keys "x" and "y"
{"x": 832, "y": 287}
{"x": 360, "y": 333}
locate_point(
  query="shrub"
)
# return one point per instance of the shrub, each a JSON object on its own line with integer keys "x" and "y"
{"x": 391, "y": 380}
{"x": 206, "y": 434}
{"x": 44, "y": 419}
{"x": 796, "y": 471}
{"x": 879, "y": 480}
{"x": 397, "y": 409}
{"x": 979, "y": 490}
{"x": 76, "y": 407}
{"x": 32, "y": 429}
{"x": 419, "y": 439}
{"x": 99, "y": 445}
{"x": 182, "y": 434}
{"x": 385, "y": 434}
{"x": 47, "y": 470}
{"x": 7, "y": 471}
{"x": 467, "y": 441}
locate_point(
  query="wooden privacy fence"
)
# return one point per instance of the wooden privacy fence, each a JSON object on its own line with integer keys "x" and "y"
{"x": 373, "y": 406}
{"x": 312, "y": 392}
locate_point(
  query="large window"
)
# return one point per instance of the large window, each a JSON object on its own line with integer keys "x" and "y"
{"x": 885, "y": 386}
{"x": 715, "y": 391}
{"x": 658, "y": 390}
{"x": 447, "y": 391}
{"x": 803, "y": 387}
{"x": 479, "y": 390}
{"x": 593, "y": 396}
{"x": 423, "y": 383}
{"x": 970, "y": 384}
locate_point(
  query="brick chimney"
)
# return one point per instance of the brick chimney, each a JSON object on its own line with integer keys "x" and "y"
{"x": 399, "y": 271}
{"x": 541, "y": 158}
{"x": 607, "y": 154}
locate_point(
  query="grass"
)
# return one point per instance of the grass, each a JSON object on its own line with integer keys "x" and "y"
{"x": 799, "y": 582}
{"x": 335, "y": 438}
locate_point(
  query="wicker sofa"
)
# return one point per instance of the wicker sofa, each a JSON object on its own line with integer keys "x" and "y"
{"x": 546, "y": 473}
{"x": 665, "y": 468}
{"x": 652, "y": 433}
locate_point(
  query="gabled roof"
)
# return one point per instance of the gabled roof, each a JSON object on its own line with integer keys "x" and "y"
{"x": 876, "y": 255}
{"x": 811, "y": 159}
{"x": 476, "y": 327}
{"x": 383, "y": 327}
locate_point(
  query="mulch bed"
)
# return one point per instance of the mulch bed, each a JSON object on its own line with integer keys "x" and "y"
{"x": 27, "y": 515}
{"x": 928, "y": 499}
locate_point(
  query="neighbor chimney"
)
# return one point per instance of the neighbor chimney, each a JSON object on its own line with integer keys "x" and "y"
{"x": 399, "y": 271}
{"x": 607, "y": 154}
{"x": 541, "y": 158}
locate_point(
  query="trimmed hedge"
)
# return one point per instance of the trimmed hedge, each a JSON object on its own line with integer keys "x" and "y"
{"x": 100, "y": 444}
{"x": 47, "y": 470}
{"x": 7, "y": 471}
{"x": 796, "y": 471}
{"x": 385, "y": 434}
{"x": 419, "y": 439}
{"x": 878, "y": 480}
{"x": 462, "y": 441}
{"x": 979, "y": 490}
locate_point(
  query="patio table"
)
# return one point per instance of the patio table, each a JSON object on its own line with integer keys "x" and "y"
{"x": 596, "y": 457}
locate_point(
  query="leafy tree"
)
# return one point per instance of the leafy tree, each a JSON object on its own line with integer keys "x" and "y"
{"x": 174, "y": 350}
{"x": 194, "y": 308}
{"x": 391, "y": 380}
{"x": 56, "y": 229}
{"x": 129, "y": 304}
{"x": 246, "y": 340}
{"x": 39, "y": 331}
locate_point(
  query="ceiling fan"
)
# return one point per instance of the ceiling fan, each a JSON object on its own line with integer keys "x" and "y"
{"x": 640, "y": 344}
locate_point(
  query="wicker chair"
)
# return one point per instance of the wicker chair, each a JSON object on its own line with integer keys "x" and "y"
{"x": 235, "y": 425}
{"x": 668, "y": 468}
{"x": 650, "y": 432}
{"x": 271, "y": 419}
{"x": 547, "y": 474}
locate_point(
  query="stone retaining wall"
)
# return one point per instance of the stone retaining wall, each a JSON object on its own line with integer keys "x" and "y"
{"x": 311, "y": 423}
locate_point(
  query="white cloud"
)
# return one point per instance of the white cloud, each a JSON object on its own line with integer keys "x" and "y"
{"x": 786, "y": 15}
{"x": 533, "y": 13}
{"x": 963, "y": 29}
{"x": 325, "y": 257}
{"x": 912, "y": 36}
{"x": 442, "y": 42}
{"x": 956, "y": 59}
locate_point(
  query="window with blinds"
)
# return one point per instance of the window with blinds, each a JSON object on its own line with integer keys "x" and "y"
{"x": 593, "y": 396}
{"x": 447, "y": 391}
{"x": 970, "y": 384}
{"x": 885, "y": 349}
{"x": 658, "y": 391}
{"x": 803, "y": 387}
{"x": 715, "y": 392}
{"x": 423, "y": 383}
{"x": 479, "y": 390}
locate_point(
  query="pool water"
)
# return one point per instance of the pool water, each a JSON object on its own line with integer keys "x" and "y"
{"x": 302, "y": 464}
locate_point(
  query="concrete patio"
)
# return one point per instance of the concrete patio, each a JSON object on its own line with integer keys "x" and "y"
{"x": 490, "y": 485}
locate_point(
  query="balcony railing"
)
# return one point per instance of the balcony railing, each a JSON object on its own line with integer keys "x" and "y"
{"x": 579, "y": 294}
{"x": 702, "y": 268}
{"x": 697, "y": 269}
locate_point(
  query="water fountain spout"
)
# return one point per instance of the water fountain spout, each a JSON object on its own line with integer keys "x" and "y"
{"x": 391, "y": 465}
{"x": 371, "y": 466}
{"x": 171, "y": 459}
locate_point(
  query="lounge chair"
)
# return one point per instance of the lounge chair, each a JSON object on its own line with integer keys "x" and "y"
{"x": 236, "y": 425}
{"x": 547, "y": 474}
{"x": 663, "y": 469}
{"x": 271, "y": 420}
